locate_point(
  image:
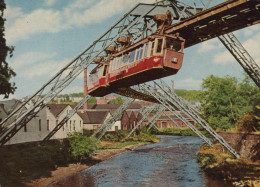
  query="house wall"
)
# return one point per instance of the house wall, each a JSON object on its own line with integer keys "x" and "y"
{"x": 169, "y": 124}
{"x": 125, "y": 121}
{"x": 37, "y": 129}
{"x": 132, "y": 121}
{"x": 74, "y": 124}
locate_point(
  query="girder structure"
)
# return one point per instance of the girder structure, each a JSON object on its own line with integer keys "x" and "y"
{"x": 178, "y": 98}
{"x": 175, "y": 123}
{"x": 194, "y": 116}
{"x": 137, "y": 22}
{"x": 151, "y": 122}
{"x": 68, "y": 73}
{"x": 113, "y": 118}
{"x": 66, "y": 118}
{"x": 145, "y": 111}
{"x": 242, "y": 56}
{"x": 163, "y": 99}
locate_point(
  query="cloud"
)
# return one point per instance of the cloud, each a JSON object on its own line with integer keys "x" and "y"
{"x": 50, "y": 2}
{"x": 188, "y": 83}
{"x": 209, "y": 46}
{"x": 38, "y": 21}
{"x": 21, "y": 25}
{"x": 29, "y": 59}
{"x": 72, "y": 89}
{"x": 251, "y": 30}
{"x": 252, "y": 45}
{"x": 37, "y": 64}
{"x": 223, "y": 58}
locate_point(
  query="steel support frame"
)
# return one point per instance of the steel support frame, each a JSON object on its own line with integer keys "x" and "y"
{"x": 156, "y": 116}
{"x": 175, "y": 123}
{"x": 66, "y": 118}
{"x": 163, "y": 100}
{"x": 113, "y": 118}
{"x": 145, "y": 111}
{"x": 194, "y": 116}
{"x": 62, "y": 79}
{"x": 242, "y": 56}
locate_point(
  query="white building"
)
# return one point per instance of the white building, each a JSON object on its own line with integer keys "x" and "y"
{"x": 94, "y": 119}
{"x": 45, "y": 121}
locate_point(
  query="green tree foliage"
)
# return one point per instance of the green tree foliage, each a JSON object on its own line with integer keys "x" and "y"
{"x": 118, "y": 100}
{"x": 225, "y": 100}
{"x": 77, "y": 95}
{"x": 92, "y": 101}
{"x": 6, "y": 73}
{"x": 190, "y": 95}
{"x": 82, "y": 146}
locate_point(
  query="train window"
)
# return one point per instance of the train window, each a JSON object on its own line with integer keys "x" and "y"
{"x": 132, "y": 56}
{"x": 152, "y": 49}
{"x": 145, "y": 49}
{"x": 137, "y": 55}
{"x": 141, "y": 53}
{"x": 173, "y": 44}
{"x": 159, "y": 45}
{"x": 105, "y": 70}
{"x": 125, "y": 58}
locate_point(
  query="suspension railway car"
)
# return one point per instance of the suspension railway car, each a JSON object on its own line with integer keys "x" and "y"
{"x": 155, "y": 57}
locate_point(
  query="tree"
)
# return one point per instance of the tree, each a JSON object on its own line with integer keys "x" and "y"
{"x": 118, "y": 100}
{"x": 92, "y": 101}
{"x": 226, "y": 100}
{"x": 6, "y": 73}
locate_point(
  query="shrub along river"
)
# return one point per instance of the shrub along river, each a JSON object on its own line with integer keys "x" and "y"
{"x": 171, "y": 162}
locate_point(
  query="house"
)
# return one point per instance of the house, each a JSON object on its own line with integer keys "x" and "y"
{"x": 94, "y": 119}
{"x": 45, "y": 121}
{"x": 125, "y": 121}
{"x": 3, "y": 113}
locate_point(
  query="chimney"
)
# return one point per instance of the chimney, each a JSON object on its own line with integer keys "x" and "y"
{"x": 85, "y": 106}
{"x": 173, "y": 85}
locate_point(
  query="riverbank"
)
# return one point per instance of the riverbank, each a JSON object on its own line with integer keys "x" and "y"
{"x": 221, "y": 165}
{"x": 73, "y": 169}
{"x": 32, "y": 164}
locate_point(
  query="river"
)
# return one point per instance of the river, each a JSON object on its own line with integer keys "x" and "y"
{"x": 171, "y": 162}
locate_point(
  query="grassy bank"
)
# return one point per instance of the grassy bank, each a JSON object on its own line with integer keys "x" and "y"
{"x": 220, "y": 164}
{"x": 180, "y": 132}
{"x": 24, "y": 163}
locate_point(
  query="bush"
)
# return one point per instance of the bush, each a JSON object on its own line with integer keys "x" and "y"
{"x": 247, "y": 123}
{"x": 206, "y": 159}
{"x": 116, "y": 136}
{"x": 82, "y": 146}
{"x": 143, "y": 137}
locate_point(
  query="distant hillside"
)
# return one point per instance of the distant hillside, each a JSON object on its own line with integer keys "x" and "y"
{"x": 190, "y": 95}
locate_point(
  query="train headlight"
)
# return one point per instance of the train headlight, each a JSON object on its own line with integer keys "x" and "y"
{"x": 174, "y": 60}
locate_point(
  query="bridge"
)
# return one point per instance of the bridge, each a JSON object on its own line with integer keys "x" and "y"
{"x": 195, "y": 24}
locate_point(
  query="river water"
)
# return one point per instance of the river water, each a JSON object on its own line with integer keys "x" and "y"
{"x": 171, "y": 162}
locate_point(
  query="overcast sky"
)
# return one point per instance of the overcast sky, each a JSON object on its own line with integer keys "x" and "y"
{"x": 47, "y": 34}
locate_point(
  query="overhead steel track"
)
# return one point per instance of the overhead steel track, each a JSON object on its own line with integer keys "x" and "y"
{"x": 222, "y": 19}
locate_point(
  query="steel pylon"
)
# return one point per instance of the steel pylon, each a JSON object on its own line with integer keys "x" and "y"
{"x": 113, "y": 118}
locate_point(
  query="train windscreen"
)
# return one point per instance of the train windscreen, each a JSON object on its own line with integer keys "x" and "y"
{"x": 173, "y": 44}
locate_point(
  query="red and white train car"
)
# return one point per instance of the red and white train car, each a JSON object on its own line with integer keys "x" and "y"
{"x": 154, "y": 57}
